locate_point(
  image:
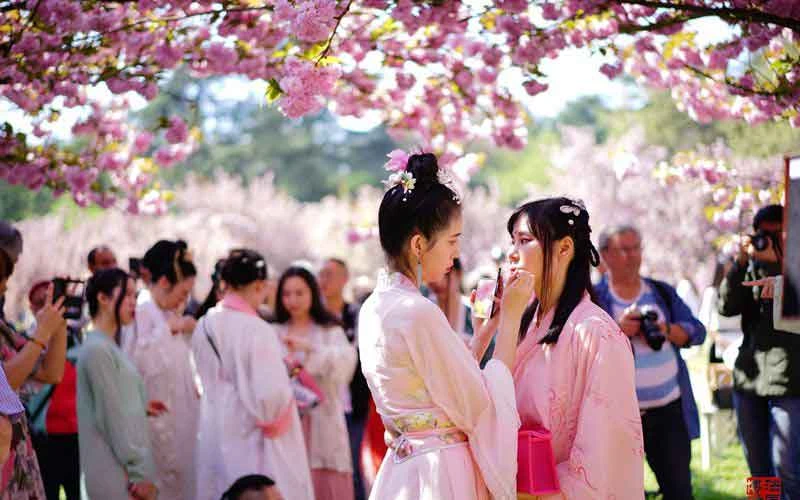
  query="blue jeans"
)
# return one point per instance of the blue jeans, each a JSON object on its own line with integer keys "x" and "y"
{"x": 668, "y": 450}
{"x": 769, "y": 429}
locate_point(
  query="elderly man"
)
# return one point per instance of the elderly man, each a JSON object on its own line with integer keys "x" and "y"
{"x": 101, "y": 257}
{"x": 658, "y": 324}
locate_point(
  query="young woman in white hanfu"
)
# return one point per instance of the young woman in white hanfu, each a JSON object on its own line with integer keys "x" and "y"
{"x": 313, "y": 337}
{"x": 159, "y": 345}
{"x": 248, "y": 418}
{"x": 453, "y": 426}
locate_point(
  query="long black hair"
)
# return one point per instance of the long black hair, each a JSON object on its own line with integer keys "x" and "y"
{"x": 318, "y": 313}
{"x": 105, "y": 281}
{"x": 425, "y": 209}
{"x": 550, "y": 220}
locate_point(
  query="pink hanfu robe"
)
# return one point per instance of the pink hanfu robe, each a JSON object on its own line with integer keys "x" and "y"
{"x": 454, "y": 425}
{"x": 583, "y": 390}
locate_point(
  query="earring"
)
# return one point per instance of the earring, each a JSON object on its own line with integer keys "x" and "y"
{"x": 419, "y": 274}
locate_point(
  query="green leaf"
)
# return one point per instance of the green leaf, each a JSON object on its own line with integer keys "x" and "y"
{"x": 274, "y": 90}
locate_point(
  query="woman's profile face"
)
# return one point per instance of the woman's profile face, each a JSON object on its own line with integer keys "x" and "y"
{"x": 296, "y": 296}
{"x": 526, "y": 252}
{"x": 127, "y": 307}
{"x": 437, "y": 260}
{"x": 179, "y": 292}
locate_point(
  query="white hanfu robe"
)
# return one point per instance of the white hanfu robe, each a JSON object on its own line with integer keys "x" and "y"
{"x": 245, "y": 382}
{"x": 456, "y": 425}
{"x": 165, "y": 362}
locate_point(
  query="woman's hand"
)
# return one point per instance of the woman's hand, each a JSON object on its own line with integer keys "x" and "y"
{"x": 297, "y": 344}
{"x": 156, "y": 408}
{"x": 143, "y": 490}
{"x": 517, "y": 293}
{"x": 483, "y": 327}
{"x": 767, "y": 284}
{"x": 50, "y": 318}
{"x": 188, "y": 324}
{"x": 180, "y": 324}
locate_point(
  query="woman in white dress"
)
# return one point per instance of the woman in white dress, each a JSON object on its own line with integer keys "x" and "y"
{"x": 313, "y": 337}
{"x": 248, "y": 417}
{"x": 454, "y": 426}
{"x": 160, "y": 347}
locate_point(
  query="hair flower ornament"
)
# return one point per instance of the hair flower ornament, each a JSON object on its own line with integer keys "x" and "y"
{"x": 405, "y": 179}
{"x": 574, "y": 208}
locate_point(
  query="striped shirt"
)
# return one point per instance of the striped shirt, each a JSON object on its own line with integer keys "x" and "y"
{"x": 9, "y": 401}
{"x": 656, "y": 371}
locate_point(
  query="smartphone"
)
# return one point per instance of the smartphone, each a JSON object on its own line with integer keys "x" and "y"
{"x": 498, "y": 291}
{"x": 73, "y": 293}
{"x": 485, "y": 295}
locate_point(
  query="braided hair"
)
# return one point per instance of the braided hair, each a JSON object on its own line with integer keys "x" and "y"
{"x": 550, "y": 220}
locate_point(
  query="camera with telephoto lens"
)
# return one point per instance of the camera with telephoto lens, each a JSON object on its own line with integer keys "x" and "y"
{"x": 72, "y": 290}
{"x": 650, "y": 329}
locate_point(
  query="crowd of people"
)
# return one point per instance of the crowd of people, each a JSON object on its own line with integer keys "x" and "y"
{"x": 278, "y": 387}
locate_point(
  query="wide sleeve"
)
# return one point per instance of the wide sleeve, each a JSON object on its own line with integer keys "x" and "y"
{"x": 150, "y": 347}
{"x": 260, "y": 373}
{"x": 120, "y": 414}
{"x": 334, "y": 358}
{"x": 606, "y": 456}
{"x": 479, "y": 402}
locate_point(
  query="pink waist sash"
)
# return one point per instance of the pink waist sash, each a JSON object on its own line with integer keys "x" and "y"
{"x": 417, "y": 433}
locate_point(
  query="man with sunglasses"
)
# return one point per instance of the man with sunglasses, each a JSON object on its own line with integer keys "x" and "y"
{"x": 766, "y": 374}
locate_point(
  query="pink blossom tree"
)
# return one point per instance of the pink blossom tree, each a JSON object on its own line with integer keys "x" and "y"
{"x": 427, "y": 67}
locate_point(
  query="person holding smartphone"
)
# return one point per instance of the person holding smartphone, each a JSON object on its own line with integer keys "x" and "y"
{"x": 41, "y": 358}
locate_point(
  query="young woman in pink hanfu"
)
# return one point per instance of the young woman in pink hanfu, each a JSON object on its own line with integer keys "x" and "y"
{"x": 574, "y": 372}
{"x": 452, "y": 426}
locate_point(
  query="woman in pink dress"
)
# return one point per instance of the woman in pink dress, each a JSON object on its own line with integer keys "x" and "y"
{"x": 574, "y": 372}
{"x": 453, "y": 426}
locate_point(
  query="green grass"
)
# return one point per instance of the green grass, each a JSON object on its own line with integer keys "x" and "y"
{"x": 725, "y": 480}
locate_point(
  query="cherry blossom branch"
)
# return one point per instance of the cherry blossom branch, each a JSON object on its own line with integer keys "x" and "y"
{"x": 729, "y": 13}
{"x": 338, "y": 18}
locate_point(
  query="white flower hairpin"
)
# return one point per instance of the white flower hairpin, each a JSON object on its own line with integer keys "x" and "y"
{"x": 405, "y": 179}
{"x": 573, "y": 209}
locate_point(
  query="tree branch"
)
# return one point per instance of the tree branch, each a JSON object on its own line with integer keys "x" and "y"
{"x": 727, "y": 13}
{"x": 333, "y": 32}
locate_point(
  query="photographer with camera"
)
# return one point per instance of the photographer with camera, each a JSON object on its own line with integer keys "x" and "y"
{"x": 766, "y": 375}
{"x": 658, "y": 324}
{"x": 40, "y": 358}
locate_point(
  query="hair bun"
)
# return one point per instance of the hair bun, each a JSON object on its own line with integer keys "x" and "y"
{"x": 424, "y": 167}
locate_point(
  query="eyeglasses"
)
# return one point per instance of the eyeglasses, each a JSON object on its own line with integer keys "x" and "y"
{"x": 631, "y": 250}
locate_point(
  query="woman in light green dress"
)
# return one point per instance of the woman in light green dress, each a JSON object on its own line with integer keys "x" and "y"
{"x": 116, "y": 459}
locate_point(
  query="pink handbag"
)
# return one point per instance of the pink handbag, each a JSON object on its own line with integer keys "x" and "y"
{"x": 536, "y": 465}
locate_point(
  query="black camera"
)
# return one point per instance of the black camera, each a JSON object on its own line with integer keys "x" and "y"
{"x": 650, "y": 329}
{"x": 761, "y": 240}
{"x": 73, "y": 292}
